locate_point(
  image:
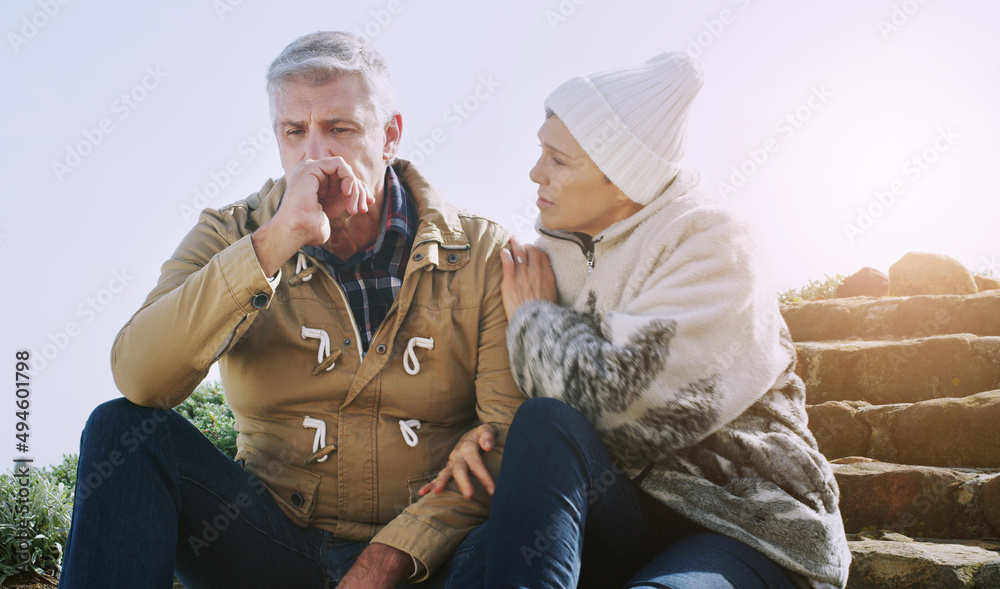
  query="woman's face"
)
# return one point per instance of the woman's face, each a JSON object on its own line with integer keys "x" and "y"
{"x": 573, "y": 193}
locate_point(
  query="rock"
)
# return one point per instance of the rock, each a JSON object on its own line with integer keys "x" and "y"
{"x": 852, "y": 460}
{"x": 986, "y": 282}
{"x": 837, "y": 432}
{"x": 866, "y": 282}
{"x": 929, "y": 274}
{"x": 956, "y": 433}
{"x": 991, "y": 502}
{"x": 917, "y": 316}
{"x": 882, "y": 421}
{"x": 903, "y": 371}
{"x": 916, "y": 501}
{"x": 961, "y": 432}
{"x": 923, "y": 565}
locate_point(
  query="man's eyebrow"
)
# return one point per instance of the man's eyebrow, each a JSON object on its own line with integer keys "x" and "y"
{"x": 341, "y": 121}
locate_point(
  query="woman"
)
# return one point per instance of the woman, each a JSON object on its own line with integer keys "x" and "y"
{"x": 664, "y": 442}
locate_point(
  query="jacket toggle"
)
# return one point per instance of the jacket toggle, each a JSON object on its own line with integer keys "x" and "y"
{"x": 407, "y": 426}
{"x": 325, "y": 359}
{"x": 303, "y": 271}
{"x": 410, "y": 362}
{"x": 321, "y": 450}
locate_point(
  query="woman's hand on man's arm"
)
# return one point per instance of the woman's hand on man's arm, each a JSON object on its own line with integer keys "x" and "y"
{"x": 466, "y": 458}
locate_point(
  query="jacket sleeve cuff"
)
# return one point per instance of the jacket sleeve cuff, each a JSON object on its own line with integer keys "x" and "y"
{"x": 428, "y": 547}
{"x": 250, "y": 289}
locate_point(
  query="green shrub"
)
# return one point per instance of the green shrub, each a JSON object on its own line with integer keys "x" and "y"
{"x": 206, "y": 408}
{"x": 814, "y": 291}
{"x": 65, "y": 472}
{"x": 49, "y": 510}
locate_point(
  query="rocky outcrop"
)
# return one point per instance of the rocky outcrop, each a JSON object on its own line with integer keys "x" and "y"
{"x": 903, "y": 317}
{"x": 904, "y": 397}
{"x": 899, "y": 371}
{"x": 901, "y": 563}
{"x": 918, "y": 501}
{"x": 866, "y": 282}
{"x": 929, "y": 274}
{"x": 962, "y": 432}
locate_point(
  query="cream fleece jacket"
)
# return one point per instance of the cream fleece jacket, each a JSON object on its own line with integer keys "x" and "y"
{"x": 671, "y": 342}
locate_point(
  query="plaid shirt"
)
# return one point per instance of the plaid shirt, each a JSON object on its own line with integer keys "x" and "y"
{"x": 371, "y": 278}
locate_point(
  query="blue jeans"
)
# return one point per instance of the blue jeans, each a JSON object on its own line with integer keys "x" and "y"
{"x": 155, "y": 498}
{"x": 564, "y": 515}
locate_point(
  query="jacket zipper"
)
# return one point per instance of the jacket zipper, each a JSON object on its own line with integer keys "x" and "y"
{"x": 587, "y": 246}
{"x": 343, "y": 297}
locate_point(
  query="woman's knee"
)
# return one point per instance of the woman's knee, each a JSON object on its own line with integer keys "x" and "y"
{"x": 544, "y": 413}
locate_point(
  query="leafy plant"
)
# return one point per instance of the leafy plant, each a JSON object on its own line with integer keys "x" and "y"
{"x": 814, "y": 291}
{"x": 65, "y": 472}
{"x": 46, "y": 505}
{"x": 206, "y": 408}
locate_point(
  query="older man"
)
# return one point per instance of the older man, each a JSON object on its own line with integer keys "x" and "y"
{"x": 359, "y": 328}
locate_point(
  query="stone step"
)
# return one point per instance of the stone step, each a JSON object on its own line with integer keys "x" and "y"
{"x": 953, "y": 432}
{"x": 897, "y": 562}
{"x": 919, "y": 501}
{"x": 894, "y": 317}
{"x": 899, "y": 371}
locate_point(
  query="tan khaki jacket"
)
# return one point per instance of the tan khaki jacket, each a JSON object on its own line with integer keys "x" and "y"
{"x": 213, "y": 302}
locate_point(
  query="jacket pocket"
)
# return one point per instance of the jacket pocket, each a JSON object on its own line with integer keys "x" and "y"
{"x": 415, "y": 484}
{"x": 294, "y": 489}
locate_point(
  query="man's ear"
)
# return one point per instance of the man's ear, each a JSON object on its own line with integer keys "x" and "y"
{"x": 393, "y": 133}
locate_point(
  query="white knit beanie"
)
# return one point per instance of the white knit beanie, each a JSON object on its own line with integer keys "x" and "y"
{"x": 631, "y": 120}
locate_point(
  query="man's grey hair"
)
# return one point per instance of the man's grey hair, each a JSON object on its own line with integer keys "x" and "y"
{"x": 319, "y": 58}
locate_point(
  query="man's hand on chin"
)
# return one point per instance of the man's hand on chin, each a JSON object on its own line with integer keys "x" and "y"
{"x": 379, "y": 567}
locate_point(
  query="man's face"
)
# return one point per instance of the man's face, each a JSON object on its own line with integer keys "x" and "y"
{"x": 335, "y": 119}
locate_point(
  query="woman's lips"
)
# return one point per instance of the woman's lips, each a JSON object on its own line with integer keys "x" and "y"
{"x": 542, "y": 203}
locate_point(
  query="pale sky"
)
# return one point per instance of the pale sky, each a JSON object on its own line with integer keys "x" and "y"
{"x": 847, "y": 132}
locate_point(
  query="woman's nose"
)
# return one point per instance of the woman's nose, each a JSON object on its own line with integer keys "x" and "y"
{"x": 536, "y": 174}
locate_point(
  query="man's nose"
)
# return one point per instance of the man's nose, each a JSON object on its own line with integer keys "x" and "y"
{"x": 316, "y": 147}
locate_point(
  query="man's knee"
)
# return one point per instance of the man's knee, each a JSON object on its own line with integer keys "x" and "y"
{"x": 121, "y": 422}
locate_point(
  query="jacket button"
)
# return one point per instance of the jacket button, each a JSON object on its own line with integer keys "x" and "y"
{"x": 453, "y": 258}
{"x": 418, "y": 257}
{"x": 347, "y": 342}
{"x": 240, "y": 462}
{"x": 296, "y": 500}
{"x": 260, "y": 300}
{"x": 380, "y": 348}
